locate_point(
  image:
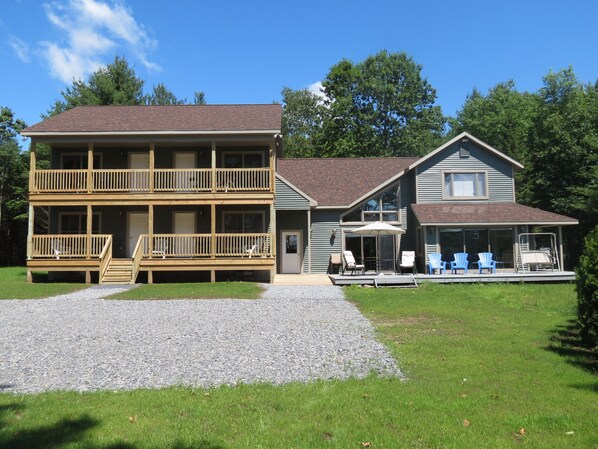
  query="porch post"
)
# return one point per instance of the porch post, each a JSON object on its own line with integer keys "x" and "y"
{"x": 88, "y": 231}
{"x": 150, "y": 228}
{"x": 90, "y": 167}
{"x": 30, "y": 240}
{"x": 30, "y": 230}
{"x": 213, "y": 166}
{"x": 272, "y": 164}
{"x": 561, "y": 253}
{"x": 273, "y": 230}
{"x": 151, "y": 167}
{"x": 309, "y": 241}
{"x": 213, "y": 230}
{"x": 32, "y": 162}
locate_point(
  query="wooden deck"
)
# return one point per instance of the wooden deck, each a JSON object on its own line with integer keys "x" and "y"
{"x": 406, "y": 280}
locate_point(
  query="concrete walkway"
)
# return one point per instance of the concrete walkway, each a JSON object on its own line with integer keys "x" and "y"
{"x": 301, "y": 279}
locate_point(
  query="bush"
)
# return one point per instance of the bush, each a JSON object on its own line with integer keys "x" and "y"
{"x": 587, "y": 290}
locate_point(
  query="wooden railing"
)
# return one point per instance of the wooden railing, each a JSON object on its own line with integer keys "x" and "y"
{"x": 228, "y": 245}
{"x": 137, "y": 255}
{"x": 164, "y": 180}
{"x": 182, "y": 180}
{"x": 242, "y": 179}
{"x": 65, "y": 246}
{"x": 121, "y": 180}
{"x": 178, "y": 245}
{"x": 60, "y": 181}
{"x": 105, "y": 257}
{"x": 199, "y": 245}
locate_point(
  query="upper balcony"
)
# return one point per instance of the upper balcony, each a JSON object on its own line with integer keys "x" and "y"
{"x": 159, "y": 180}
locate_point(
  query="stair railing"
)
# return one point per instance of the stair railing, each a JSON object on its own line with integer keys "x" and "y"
{"x": 105, "y": 257}
{"x": 137, "y": 255}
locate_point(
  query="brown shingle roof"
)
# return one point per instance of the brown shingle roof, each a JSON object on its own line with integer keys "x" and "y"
{"x": 180, "y": 118}
{"x": 485, "y": 213}
{"x": 339, "y": 182}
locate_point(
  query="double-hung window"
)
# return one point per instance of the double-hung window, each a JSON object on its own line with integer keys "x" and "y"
{"x": 465, "y": 185}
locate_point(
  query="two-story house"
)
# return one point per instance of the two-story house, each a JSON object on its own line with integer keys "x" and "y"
{"x": 150, "y": 192}
{"x": 156, "y": 190}
{"x": 458, "y": 198}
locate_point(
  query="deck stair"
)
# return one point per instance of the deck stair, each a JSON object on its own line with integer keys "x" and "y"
{"x": 119, "y": 271}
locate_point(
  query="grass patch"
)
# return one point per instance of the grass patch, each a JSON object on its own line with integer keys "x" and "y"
{"x": 483, "y": 361}
{"x": 191, "y": 290}
{"x": 13, "y": 285}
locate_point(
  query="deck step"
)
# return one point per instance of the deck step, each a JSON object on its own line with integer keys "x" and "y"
{"x": 119, "y": 271}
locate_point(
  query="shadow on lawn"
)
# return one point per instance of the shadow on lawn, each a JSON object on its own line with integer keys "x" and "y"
{"x": 66, "y": 432}
{"x": 566, "y": 342}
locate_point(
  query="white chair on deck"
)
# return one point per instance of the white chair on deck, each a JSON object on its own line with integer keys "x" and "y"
{"x": 350, "y": 264}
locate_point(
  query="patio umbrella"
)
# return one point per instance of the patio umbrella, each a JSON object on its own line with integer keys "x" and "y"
{"x": 377, "y": 229}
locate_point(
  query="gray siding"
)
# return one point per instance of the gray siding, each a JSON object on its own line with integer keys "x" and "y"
{"x": 292, "y": 221}
{"x": 429, "y": 173}
{"x": 289, "y": 199}
{"x": 323, "y": 244}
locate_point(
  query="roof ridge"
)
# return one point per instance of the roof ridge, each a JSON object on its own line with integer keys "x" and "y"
{"x": 346, "y": 158}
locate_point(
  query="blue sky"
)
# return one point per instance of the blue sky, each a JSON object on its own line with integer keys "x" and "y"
{"x": 246, "y": 52}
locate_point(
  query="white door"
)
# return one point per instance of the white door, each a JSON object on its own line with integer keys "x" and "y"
{"x": 138, "y": 224}
{"x": 184, "y": 223}
{"x": 139, "y": 181}
{"x": 291, "y": 252}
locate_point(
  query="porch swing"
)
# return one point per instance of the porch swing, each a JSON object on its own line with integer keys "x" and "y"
{"x": 537, "y": 250}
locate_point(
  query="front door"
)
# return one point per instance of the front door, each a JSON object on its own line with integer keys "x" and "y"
{"x": 138, "y": 224}
{"x": 291, "y": 252}
{"x": 139, "y": 181}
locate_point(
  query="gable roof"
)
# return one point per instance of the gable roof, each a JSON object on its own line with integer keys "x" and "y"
{"x": 339, "y": 182}
{"x": 435, "y": 214}
{"x": 184, "y": 119}
{"x": 466, "y": 135}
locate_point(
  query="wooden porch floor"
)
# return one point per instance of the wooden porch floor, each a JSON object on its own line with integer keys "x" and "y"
{"x": 507, "y": 276}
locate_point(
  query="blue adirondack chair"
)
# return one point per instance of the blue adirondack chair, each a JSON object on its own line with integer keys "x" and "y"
{"x": 486, "y": 262}
{"x": 435, "y": 263}
{"x": 460, "y": 263}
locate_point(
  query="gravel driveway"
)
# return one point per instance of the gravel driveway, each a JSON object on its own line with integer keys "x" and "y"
{"x": 81, "y": 342}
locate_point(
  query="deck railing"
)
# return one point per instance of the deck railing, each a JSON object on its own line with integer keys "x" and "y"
{"x": 242, "y": 179}
{"x": 200, "y": 245}
{"x": 182, "y": 180}
{"x": 63, "y": 246}
{"x": 164, "y": 180}
{"x": 55, "y": 181}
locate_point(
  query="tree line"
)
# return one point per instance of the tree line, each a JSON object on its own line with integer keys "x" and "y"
{"x": 378, "y": 107}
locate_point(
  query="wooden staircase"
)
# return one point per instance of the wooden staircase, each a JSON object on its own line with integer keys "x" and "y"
{"x": 119, "y": 271}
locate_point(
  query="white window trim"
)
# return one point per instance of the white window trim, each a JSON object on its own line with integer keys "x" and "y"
{"x": 83, "y": 157}
{"x": 243, "y": 212}
{"x": 242, "y": 153}
{"x": 464, "y": 198}
{"x": 360, "y": 205}
{"x": 81, "y": 214}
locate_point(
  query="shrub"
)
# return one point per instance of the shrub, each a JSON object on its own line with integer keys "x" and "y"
{"x": 587, "y": 290}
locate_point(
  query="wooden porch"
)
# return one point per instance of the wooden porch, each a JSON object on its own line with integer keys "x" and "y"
{"x": 411, "y": 280}
{"x": 160, "y": 252}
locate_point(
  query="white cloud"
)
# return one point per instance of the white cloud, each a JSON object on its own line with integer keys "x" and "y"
{"x": 20, "y": 48}
{"x": 92, "y": 30}
{"x": 317, "y": 89}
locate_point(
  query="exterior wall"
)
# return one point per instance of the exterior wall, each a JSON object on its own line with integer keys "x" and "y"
{"x": 430, "y": 181}
{"x": 289, "y": 199}
{"x": 292, "y": 221}
{"x": 323, "y": 243}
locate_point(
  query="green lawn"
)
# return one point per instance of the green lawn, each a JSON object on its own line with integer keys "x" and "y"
{"x": 489, "y": 366}
{"x": 203, "y": 290}
{"x": 13, "y": 285}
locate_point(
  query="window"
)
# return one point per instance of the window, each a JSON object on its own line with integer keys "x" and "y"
{"x": 78, "y": 161}
{"x": 384, "y": 207}
{"x": 243, "y": 222}
{"x": 238, "y": 159}
{"x": 76, "y": 223}
{"x": 458, "y": 185}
